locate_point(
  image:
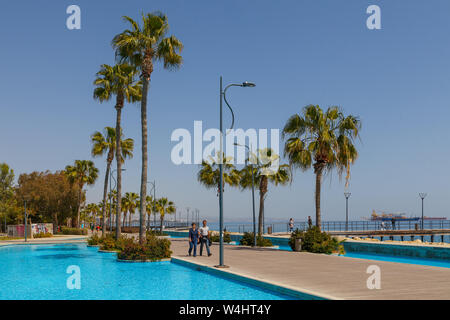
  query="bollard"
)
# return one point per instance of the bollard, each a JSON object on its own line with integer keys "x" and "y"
{"x": 298, "y": 245}
{"x": 432, "y": 238}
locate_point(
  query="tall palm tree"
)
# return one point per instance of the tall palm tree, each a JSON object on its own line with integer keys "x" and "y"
{"x": 81, "y": 173}
{"x": 209, "y": 173}
{"x": 118, "y": 81}
{"x": 263, "y": 174}
{"x": 106, "y": 143}
{"x": 164, "y": 206}
{"x": 323, "y": 140}
{"x": 141, "y": 46}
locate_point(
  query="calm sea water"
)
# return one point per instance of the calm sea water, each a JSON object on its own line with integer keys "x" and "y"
{"x": 39, "y": 272}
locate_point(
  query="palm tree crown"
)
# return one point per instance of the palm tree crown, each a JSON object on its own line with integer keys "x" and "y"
{"x": 209, "y": 173}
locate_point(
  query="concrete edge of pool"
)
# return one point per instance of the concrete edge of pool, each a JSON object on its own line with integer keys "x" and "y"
{"x": 273, "y": 286}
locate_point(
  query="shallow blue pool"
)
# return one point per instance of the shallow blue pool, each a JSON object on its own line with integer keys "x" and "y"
{"x": 39, "y": 272}
{"x": 409, "y": 260}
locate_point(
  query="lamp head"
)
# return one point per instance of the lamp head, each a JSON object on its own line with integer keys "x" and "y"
{"x": 248, "y": 84}
{"x": 422, "y": 195}
{"x": 347, "y": 194}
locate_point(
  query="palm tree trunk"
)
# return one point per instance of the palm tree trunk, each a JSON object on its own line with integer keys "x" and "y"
{"x": 105, "y": 194}
{"x": 261, "y": 212}
{"x": 119, "y": 168}
{"x": 162, "y": 223}
{"x": 317, "y": 195}
{"x": 142, "y": 209}
{"x": 79, "y": 206}
{"x": 262, "y": 192}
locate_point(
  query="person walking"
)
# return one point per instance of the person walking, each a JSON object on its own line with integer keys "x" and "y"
{"x": 291, "y": 224}
{"x": 204, "y": 238}
{"x": 193, "y": 239}
{"x": 309, "y": 222}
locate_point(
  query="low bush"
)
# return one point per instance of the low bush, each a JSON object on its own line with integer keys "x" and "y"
{"x": 42, "y": 235}
{"x": 153, "y": 249}
{"x": 110, "y": 243}
{"x": 216, "y": 238}
{"x": 73, "y": 231}
{"x": 153, "y": 232}
{"x": 248, "y": 239}
{"x": 315, "y": 241}
{"x": 94, "y": 240}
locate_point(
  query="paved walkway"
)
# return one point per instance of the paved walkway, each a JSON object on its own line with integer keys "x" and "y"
{"x": 329, "y": 276}
{"x": 52, "y": 240}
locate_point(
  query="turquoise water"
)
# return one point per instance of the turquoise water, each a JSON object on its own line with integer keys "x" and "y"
{"x": 39, "y": 272}
{"x": 409, "y": 260}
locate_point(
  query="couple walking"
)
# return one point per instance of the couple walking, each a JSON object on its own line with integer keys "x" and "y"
{"x": 197, "y": 236}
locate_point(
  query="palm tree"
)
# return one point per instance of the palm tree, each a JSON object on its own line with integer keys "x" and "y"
{"x": 141, "y": 46}
{"x": 164, "y": 206}
{"x": 93, "y": 209}
{"x": 82, "y": 172}
{"x": 262, "y": 175}
{"x": 106, "y": 143}
{"x": 323, "y": 140}
{"x": 209, "y": 174}
{"x": 118, "y": 80}
{"x": 129, "y": 203}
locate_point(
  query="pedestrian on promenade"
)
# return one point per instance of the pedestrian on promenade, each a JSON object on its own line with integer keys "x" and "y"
{"x": 194, "y": 235}
{"x": 309, "y": 222}
{"x": 204, "y": 238}
{"x": 291, "y": 224}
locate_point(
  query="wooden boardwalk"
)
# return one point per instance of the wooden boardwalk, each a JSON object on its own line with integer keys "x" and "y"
{"x": 328, "y": 276}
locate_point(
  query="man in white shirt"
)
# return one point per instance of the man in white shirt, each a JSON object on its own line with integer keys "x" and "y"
{"x": 204, "y": 238}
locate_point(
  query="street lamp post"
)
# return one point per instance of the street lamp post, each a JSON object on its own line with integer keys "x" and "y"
{"x": 347, "y": 195}
{"x": 422, "y": 196}
{"x": 153, "y": 184}
{"x": 224, "y": 98}
{"x": 253, "y": 192}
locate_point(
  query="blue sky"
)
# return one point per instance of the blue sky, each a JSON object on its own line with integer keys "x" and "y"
{"x": 297, "y": 52}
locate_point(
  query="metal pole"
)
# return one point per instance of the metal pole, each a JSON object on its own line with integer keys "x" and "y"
{"x": 26, "y": 224}
{"x": 253, "y": 207}
{"x": 221, "y": 182}
{"x": 347, "y": 195}
{"x": 422, "y": 213}
{"x": 110, "y": 202}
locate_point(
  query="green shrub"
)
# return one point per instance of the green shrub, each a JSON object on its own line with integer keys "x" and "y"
{"x": 74, "y": 231}
{"x": 42, "y": 235}
{"x": 153, "y": 249}
{"x": 315, "y": 241}
{"x": 248, "y": 240}
{"x": 216, "y": 238}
